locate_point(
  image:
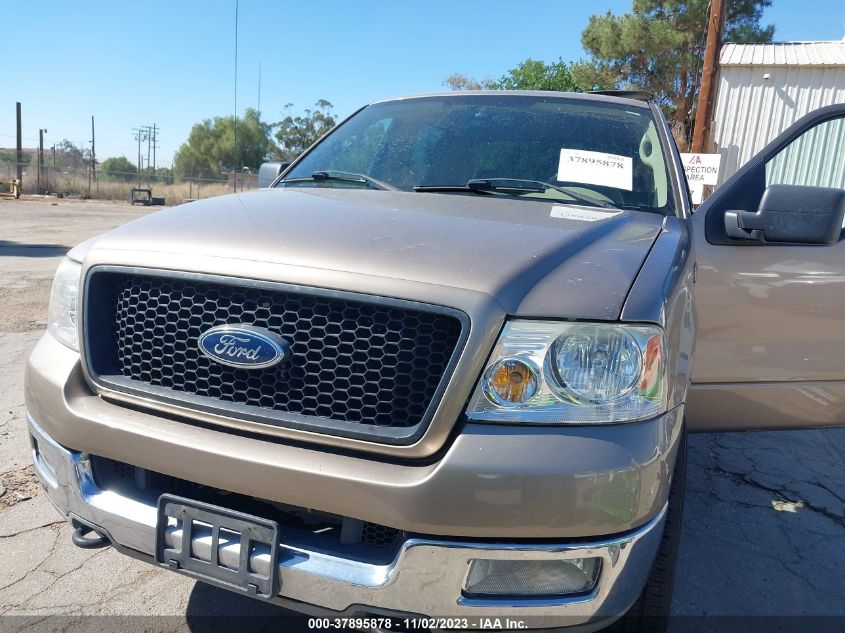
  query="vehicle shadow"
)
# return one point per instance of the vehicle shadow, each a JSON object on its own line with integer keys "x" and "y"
{"x": 214, "y": 610}
{"x": 18, "y": 249}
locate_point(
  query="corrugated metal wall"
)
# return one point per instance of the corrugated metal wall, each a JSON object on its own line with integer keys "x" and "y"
{"x": 815, "y": 159}
{"x": 751, "y": 110}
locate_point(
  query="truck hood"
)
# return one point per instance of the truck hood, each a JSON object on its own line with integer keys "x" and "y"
{"x": 536, "y": 258}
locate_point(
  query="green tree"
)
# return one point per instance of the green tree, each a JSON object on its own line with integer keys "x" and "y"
{"x": 460, "y": 81}
{"x": 68, "y": 156}
{"x": 164, "y": 175}
{"x": 210, "y": 150}
{"x": 298, "y": 133}
{"x": 659, "y": 47}
{"x": 118, "y": 168}
{"x": 530, "y": 74}
{"x": 10, "y": 157}
{"x": 537, "y": 75}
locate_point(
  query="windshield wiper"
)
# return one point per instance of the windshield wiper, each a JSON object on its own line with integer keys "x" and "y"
{"x": 516, "y": 185}
{"x": 345, "y": 176}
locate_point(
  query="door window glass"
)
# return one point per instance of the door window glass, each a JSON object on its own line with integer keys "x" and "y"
{"x": 814, "y": 159}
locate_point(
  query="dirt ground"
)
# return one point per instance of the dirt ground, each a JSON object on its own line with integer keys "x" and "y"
{"x": 741, "y": 554}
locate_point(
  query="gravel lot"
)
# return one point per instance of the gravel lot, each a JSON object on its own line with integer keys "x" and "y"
{"x": 740, "y": 556}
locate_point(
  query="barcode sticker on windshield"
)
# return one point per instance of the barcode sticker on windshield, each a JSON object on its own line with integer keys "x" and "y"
{"x": 585, "y": 215}
{"x": 596, "y": 168}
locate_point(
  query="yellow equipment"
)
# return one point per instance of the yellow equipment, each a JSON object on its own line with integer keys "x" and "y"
{"x": 13, "y": 186}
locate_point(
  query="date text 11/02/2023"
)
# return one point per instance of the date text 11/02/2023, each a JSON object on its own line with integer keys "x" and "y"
{"x": 422, "y": 624}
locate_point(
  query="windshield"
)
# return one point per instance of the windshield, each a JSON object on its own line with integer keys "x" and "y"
{"x": 596, "y": 151}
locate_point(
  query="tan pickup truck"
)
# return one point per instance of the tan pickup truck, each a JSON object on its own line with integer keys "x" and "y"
{"x": 442, "y": 370}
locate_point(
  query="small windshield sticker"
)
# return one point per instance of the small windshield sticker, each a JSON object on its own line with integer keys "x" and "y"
{"x": 595, "y": 168}
{"x": 584, "y": 215}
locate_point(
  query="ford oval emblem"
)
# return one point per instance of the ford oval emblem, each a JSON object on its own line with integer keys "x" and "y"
{"x": 244, "y": 346}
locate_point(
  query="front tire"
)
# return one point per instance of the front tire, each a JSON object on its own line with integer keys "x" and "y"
{"x": 650, "y": 613}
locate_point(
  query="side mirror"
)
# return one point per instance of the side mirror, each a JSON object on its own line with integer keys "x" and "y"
{"x": 268, "y": 172}
{"x": 791, "y": 214}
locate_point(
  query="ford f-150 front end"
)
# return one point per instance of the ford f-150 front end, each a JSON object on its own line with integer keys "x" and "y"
{"x": 414, "y": 378}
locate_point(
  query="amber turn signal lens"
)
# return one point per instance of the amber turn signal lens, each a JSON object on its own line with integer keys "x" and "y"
{"x": 510, "y": 381}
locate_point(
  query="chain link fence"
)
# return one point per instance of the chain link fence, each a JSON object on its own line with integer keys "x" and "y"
{"x": 117, "y": 185}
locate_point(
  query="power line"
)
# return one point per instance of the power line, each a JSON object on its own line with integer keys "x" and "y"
{"x": 113, "y": 148}
{"x": 24, "y": 138}
{"x": 122, "y": 149}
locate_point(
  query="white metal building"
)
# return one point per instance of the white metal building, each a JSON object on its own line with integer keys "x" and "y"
{"x": 764, "y": 88}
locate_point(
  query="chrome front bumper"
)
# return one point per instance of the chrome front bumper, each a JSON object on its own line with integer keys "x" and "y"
{"x": 425, "y": 578}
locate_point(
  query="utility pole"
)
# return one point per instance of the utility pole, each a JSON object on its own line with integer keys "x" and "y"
{"x": 235, "y": 117}
{"x": 93, "y": 172}
{"x": 155, "y": 130}
{"x": 138, "y": 137}
{"x": 19, "y": 146}
{"x": 149, "y": 136}
{"x": 40, "y": 157}
{"x": 710, "y": 69}
{"x": 141, "y": 134}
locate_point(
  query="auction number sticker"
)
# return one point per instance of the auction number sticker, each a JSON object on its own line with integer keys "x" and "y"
{"x": 596, "y": 168}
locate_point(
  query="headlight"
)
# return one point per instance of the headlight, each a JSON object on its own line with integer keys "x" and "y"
{"x": 547, "y": 372}
{"x": 63, "y": 310}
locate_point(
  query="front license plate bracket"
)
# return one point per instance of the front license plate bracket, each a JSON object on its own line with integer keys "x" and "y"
{"x": 193, "y": 517}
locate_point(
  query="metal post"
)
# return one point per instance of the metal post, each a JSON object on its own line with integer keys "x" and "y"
{"x": 19, "y": 145}
{"x": 235, "y": 117}
{"x": 139, "y": 158}
{"x": 93, "y": 172}
{"x": 148, "y": 157}
{"x": 40, "y": 158}
{"x": 154, "y": 149}
{"x": 707, "y": 93}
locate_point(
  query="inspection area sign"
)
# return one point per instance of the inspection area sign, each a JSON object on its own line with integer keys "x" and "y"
{"x": 701, "y": 169}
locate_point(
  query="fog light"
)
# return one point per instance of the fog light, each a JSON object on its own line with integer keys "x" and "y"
{"x": 531, "y": 578}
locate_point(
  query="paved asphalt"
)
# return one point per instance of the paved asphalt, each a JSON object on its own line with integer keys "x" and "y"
{"x": 740, "y": 556}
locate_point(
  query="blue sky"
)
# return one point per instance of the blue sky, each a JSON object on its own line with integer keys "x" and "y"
{"x": 172, "y": 63}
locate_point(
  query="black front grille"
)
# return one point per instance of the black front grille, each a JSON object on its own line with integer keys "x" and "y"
{"x": 379, "y": 535}
{"x": 358, "y": 367}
